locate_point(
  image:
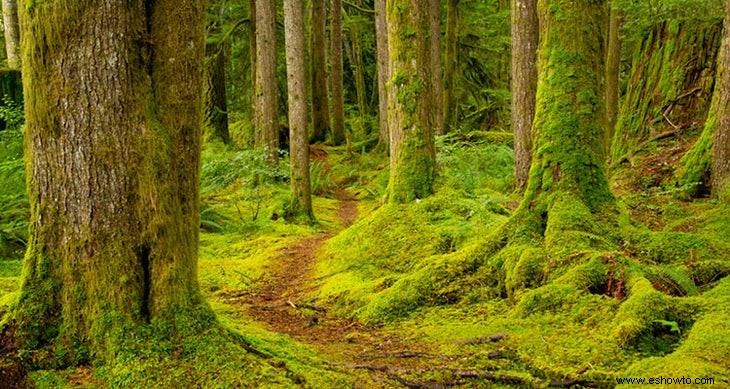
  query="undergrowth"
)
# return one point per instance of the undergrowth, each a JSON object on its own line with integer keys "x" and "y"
{"x": 14, "y": 207}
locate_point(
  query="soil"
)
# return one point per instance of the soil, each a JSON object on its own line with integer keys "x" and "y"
{"x": 280, "y": 303}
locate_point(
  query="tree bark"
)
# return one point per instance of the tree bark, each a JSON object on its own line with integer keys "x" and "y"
{"x": 412, "y": 153}
{"x": 11, "y": 33}
{"x": 266, "y": 89}
{"x": 437, "y": 70}
{"x": 113, "y": 126}
{"x": 721, "y": 106}
{"x": 670, "y": 82}
{"x": 252, "y": 53}
{"x": 358, "y": 71}
{"x": 381, "y": 41}
{"x": 452, "y": 33}
{"x": 318, "y": 53}
{"x": 613, "y": 67}
{"x": 338, "y": 97}
{"x": 296, "y": 76}
{"x": 525, "y": 36}
{"x": 216, "y": 104}
{"x": 570, "y": 119}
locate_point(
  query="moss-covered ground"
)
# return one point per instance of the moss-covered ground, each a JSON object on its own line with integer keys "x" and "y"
{"x": 378, "y": 295}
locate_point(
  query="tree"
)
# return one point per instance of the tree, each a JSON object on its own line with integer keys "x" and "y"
{"x": 381, "y": 41}
{"x": 318, "y": 53}
{"x": 569, "y": 155}
{"x": 338, "y": 97}
{"x": 436, "y": 66}
{"x": 412, "y": 153}
{"x": 357, "y": 26}
{"x": 721, "y": 108}
{"x": 11, "y": 32}
{"x": 525, "y": 37}
{"x": 266, "y": 115}
{"x": 216, "y": 104}
{"x": 669, "y": 83}
{"x": 296, "y": 76}
{"x": 113, "y": 158}
{"x": 613, "y": 68}
{"x": 450, "y": 62}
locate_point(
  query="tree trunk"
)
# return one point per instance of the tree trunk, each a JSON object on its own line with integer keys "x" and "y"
{"x": 412, "y": 154}
{"x": 296, "y": 76}
{"x": 252, "y": 53}
{"x": 613, "y": 68}
{"x": 216, "y": 104}
{"x": 267, "y": 88}
{"x": 721, "y": 108}
{"x": 381, "y": 40}
{"x": 436, "y": 67}
{"x": 114, "y": 160}
{"x": 358, "y": 71}
{"x": 671, "y": 79}
{"x": 11, "y": 33}
{"x": 338, "y": 97}
{"x": 525, "y": 37}
{"x": 452, "y": 27}
{"x": 318, "y": 53}
{"x": 568, "y": 167}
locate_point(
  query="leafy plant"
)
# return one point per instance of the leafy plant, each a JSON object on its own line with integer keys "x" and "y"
{"x": 14, "y": 207}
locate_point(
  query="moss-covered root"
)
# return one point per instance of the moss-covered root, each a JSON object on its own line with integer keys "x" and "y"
{"x": 704, "y": 353}
{"x": 647, "y": 310}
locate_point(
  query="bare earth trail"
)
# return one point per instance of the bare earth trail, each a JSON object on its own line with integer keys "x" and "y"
{"x": 377, "y": 358}
{"x": 280, "y": 303}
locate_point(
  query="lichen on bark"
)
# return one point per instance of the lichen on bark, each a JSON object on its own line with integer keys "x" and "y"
{"x": 113, "y": 118}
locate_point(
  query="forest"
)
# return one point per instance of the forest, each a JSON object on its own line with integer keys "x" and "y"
{"x": 365, "y": 194}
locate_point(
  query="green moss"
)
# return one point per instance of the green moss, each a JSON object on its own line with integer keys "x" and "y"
{"x": 677, "y": 56}
{"x": 646, "y": 308}
{"x": 704, "y": 351}
{"x": 694, "y": 168}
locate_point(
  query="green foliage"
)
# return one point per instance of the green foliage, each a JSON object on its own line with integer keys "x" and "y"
{"x": 474, "y": 167}
{"x": 482, "y": 98}
{"x": 221, "y": 168}
{"x": 14, "y": 208}
{"x": 641, "y": 15}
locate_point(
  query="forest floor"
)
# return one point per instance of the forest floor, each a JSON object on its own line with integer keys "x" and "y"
{"x": 280, "y": 302}
{"x": 330, "y": 304}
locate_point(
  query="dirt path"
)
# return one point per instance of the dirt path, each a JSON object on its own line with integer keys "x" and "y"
{"x": 279, "y": 300}
{"x": 280, "y": 303}
{"x": 376, "y": 357}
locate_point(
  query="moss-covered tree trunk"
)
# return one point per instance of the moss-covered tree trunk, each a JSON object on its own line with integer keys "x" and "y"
{"x": 266, "y": 115}
{"x": 721, "y": 108}
{"x": 113, "y": 126}
{"x": 613, "y": 68}
{"x": 318, "y": 55}
{"x": 338, "y": 96}
{"x": 452, "y": 26}
{"x": 412, "y": 154}
{"x": 670, "y": 82}
{"x": 11, "y": 32}
{"x": 296, "y": 76}
{"x": 437, "y": 72}
{"x": 568, "y": 168}
{"x": 381, "y": 41}
{"x": 525, "y": 37}
{"x": 252, "y": 55}
{"x": 357, "y": 64}
{"x": 216, "y": 104}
